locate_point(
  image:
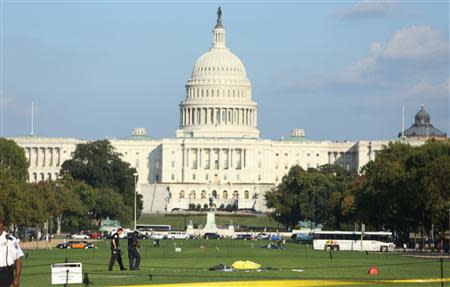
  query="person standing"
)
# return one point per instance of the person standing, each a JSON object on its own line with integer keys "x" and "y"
{"x": 10, "y": 259}
{"x": 134, "y": 258}
{"x": 115, "y": 250}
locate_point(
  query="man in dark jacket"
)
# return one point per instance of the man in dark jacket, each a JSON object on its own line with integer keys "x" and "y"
{"x": 116, "y": 254}
{"x": 134, "y": 258}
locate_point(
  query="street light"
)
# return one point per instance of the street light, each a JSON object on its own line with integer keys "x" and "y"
{"x": 449, "y": 230}
{"x": 278, "y": 220}
{"x": 135, "y": 195}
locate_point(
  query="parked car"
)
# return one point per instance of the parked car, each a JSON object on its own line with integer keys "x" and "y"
{"x": 96, "y": 235}
{"x": 263, "y": 236}
{"x": 275, "y": 237}
{"x": 244, "y": 237}
{"x": 79, "y": 236}
{"x": 211, "y": 235}
{"x": 157, "y": 236}
{"x": 76, "y": 245}
{"x": 302, "y": 237}
{"x": 177, "y": 235}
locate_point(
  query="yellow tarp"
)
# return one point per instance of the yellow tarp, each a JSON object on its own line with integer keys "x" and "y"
{"x": 245, "y": 265}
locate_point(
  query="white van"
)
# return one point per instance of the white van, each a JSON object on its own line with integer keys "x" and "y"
{"x": 177, "y": 235}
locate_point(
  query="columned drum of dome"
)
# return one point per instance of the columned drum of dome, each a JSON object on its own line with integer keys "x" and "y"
{"x": 218, "y": 100}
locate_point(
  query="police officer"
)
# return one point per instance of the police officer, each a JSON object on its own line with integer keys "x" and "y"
{"x": 10, "y": 259}
{"x": 115, "y": 250}
{"x": 134, "y": 258}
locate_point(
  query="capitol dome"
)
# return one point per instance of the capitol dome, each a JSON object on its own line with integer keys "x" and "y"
{"x": 218, "y": 99}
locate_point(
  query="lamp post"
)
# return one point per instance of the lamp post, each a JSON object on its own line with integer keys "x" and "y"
{"x": 449, "y": 230}
{"x": 278, "y": 220}
{"x": 135, "y": 195}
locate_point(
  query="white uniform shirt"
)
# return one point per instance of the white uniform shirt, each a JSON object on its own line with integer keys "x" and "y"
{"x": 9, "y": 250}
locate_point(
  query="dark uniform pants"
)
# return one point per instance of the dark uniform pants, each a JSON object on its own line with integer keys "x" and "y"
{"x": 6, "y": 276}
{"x": 134, "y": 258}
{"x": 115, "y": 255}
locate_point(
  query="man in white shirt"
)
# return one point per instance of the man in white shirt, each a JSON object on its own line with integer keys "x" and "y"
{"x": 10, "y": 259}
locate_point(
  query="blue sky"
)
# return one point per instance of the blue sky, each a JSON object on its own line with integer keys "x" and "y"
{"x": 340, "y": 70}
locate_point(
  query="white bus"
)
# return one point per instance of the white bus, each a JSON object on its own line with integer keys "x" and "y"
{"x": 351, "y": 240}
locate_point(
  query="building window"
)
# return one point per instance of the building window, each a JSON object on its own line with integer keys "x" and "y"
{"x": 203, "y": 196}
{"x": 192, "y": 195}
{"x": 216, "y": 164}
{"x": 276, "y": 166}
{"x": 214, "y": 194}
{"x": 224, "y": 177}
{"x": 285, "y": 167}
{"x": 236, "y": 194}
{"x": 182, "y": 194}
{"x": 193, "y": 176}
{"x": 173, "y": 176}
{"x": 276, "y": 154}
{"x": 317, "y": 154}
{"x": 276, "y": 179}
{"x": 286, "y": 154}
{"x": 246, "y": 194}
{"x": 259, "y": 177}
{"x": 225, "y": 194}
{"x": 238, "y": 176}
{"x": 172, "y": 163}
{"x": 307, "y": 154}
{"x": 206, "y": 176}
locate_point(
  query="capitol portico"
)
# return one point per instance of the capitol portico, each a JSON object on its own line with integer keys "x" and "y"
{"x": 217, "y": 152}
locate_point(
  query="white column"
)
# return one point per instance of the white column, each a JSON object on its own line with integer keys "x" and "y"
{"x": 231, "y": 158}
{"x": 43, "y": 156}
{"x": 58, "y": 160}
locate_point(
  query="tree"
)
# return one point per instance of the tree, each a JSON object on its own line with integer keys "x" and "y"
{"x": 101, "y": 167}
{"x": 13, "y": 160}
{"x": 314, "y": 195}
{"x": 13, "y": 203}
{"x": 410, "y": 185}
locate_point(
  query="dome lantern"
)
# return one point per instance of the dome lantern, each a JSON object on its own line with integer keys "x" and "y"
{"x": 219, "y": 32}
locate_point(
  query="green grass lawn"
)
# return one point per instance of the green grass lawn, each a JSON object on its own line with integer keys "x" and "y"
{"x": 177, "y": 221}
{"x": 167, "y": 266}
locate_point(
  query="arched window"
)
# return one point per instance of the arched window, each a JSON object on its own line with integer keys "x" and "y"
{"x": 192, "y": 195}
{"x": 214, "y": 194}
{"x": 236, "y": 194}
{"x": 203, "y": 196}
{"x": 181, "y": 194}
{"x": 246, "y": 194}
{"x": 225, "y": 194}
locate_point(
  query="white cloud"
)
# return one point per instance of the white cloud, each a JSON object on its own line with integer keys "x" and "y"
{"x": 416, "y": 42}
{"x": 367, "y": 9}
{"x": 424, "y": 88}
{"x": 413, "y": 44}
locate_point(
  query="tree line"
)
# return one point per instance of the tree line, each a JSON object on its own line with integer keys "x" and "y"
{"x": 94, "y": 184}
{"x": 405, "y": 189}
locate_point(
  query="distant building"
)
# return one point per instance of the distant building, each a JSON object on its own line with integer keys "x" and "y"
{"x": 422, "y": 128}
{"x": 217, "y": 152}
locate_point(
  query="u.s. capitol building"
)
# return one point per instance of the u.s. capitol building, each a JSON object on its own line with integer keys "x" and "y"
{"x": 217, "y": 152}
